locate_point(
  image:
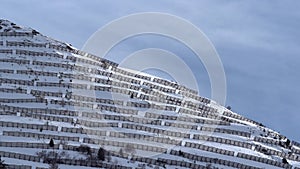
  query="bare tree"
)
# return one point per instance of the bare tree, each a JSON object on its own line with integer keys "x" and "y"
{"x": 84, "y": 149}
{"x": 129, "y": 148}
{"x": 53, "y": 165}
{"x": 121, "y": 152}
{"x": 2, "y": 164}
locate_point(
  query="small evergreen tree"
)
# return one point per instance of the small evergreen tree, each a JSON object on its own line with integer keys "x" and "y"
{"x": 181, "y": 153}
{"x": 284, "y": 161}
{"x": 101, "y": 154}
{"x": 287, "y": 143}
{"x": 51, "y": 143}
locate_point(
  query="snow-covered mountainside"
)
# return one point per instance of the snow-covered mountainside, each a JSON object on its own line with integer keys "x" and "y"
{"x": 99, "y": 115}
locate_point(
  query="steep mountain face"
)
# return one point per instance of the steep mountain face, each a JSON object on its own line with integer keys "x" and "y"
{"x": 60, "y": 106}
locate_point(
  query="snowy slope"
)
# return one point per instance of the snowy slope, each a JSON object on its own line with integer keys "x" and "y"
{"x": 50, "y": 90}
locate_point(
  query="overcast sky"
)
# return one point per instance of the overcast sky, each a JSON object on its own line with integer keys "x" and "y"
{"x": 257, "y": 41}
